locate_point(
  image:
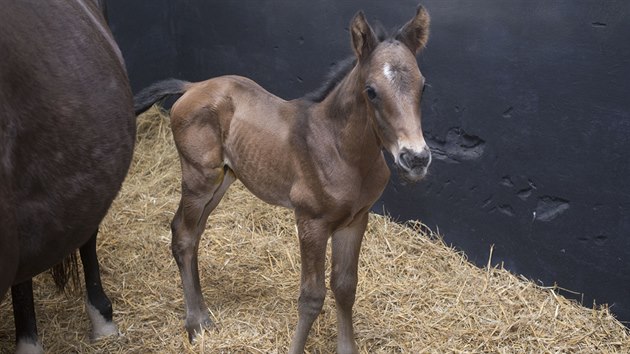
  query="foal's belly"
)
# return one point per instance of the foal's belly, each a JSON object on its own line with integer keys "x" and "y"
{"x": 273, "y": 196}
{"x": 263, "y": 167}
{"x": 256, "y": 144}
{"x": 260, "y": 179}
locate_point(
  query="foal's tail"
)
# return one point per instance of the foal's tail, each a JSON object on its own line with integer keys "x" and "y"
{"x": 144, "y": 99}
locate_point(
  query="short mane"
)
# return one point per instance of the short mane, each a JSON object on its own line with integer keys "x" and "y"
{"x": 341, "y": 69}
{"x": 333, "y": 78}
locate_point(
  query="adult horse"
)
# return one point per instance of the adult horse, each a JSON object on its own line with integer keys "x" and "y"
{"x": 67, "y": 132}
{"x": 320, "y": 155}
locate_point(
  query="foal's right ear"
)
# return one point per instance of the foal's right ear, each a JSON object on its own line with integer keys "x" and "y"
{"x": 363, "y": 39}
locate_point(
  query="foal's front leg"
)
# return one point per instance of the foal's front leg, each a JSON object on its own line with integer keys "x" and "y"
{"x": 313, "y": 236}
{"x": 346, "y": 246}
{"x": 201, "y": 193}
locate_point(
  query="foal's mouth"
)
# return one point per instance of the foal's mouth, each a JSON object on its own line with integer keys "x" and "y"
{"x": 412, "y": 165}
{"x": 412, "y": 176}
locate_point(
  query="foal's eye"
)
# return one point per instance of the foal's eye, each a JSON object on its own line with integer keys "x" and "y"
{"x": 369, "y": 90}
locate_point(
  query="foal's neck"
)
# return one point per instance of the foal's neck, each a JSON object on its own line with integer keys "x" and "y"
{"x": 348, "y": 114}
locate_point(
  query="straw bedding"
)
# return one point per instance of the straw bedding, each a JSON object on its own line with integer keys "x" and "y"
{"x": 415, "y": 294}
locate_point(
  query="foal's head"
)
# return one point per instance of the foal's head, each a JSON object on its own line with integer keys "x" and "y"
{"x": 392, "y": 89}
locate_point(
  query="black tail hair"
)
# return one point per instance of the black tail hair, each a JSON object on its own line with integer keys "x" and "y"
{"x": 66, "y": 270}
{"x": 144, "y": 99}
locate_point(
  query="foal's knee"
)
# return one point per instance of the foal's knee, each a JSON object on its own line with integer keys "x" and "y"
{"x": 310, "y": 303}
{"x": 182, "y": 245}
{"x": 181, "y": 250}
{"x": 344, "y": 287}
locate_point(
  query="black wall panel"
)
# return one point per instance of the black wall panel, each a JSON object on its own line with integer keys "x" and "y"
{"x": 528, "y": 114}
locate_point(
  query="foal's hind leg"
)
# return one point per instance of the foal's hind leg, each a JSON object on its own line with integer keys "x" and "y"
{"x": 26, "y": 338}
{"x": 98, "y": 305}
{"x": 201, "y": 193}
{"x": 346, "y": 246}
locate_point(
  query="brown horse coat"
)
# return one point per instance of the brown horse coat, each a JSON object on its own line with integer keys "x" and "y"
{"x": 67, "y": 132}
{"x": 322, "y": 158}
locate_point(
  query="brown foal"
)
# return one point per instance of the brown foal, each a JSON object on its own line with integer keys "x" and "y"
{"x": 321, "y": 157}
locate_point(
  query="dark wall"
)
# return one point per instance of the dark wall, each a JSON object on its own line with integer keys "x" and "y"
{"x": 528, "y": 114}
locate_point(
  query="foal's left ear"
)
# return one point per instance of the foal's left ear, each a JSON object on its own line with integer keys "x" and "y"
{"x": 415, "y": 33}
{"x": 363, "y": 39}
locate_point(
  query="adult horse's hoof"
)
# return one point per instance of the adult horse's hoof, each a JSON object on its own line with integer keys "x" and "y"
{"x": 197, "y": 330}
{"x": 101, "y": 327}
{"x": 27, "y": 347}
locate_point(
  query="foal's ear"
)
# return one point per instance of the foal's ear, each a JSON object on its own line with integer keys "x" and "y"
{"x": 363, "y": 39}
{"x": 415, "y": 33}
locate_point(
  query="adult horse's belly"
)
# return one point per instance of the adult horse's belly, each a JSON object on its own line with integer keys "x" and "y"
{"x": 66, "y": 191}
{"x": 66, "y": 98}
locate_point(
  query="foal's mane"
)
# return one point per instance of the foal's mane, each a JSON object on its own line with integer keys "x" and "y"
{"x": 341, "y": 69}
{"x": 336, "y": 74}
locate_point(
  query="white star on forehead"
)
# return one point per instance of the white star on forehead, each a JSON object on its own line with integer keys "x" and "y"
{"x": 388, "y": 72}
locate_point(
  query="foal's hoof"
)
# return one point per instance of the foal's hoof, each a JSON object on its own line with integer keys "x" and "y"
{"x": 197, "y": 330}
{"x": 347, "y": 348}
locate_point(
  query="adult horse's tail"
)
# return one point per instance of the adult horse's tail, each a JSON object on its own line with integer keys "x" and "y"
{"x": 144, "y": 99}
{"x": 66, "y": 270}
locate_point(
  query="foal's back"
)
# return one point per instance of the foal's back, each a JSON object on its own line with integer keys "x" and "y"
{"x": 285, "y": 152}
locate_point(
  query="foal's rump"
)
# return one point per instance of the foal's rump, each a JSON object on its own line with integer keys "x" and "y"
{"x": 213, "y": 89}
{"x": 238, "y": 124}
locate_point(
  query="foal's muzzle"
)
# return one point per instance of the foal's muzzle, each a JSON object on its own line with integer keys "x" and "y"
{"x": 413, "y": 165}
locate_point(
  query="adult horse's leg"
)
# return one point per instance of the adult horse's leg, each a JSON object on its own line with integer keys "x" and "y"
{"x": 313, "y": 236}
{"x": 201, "y": 193}
{"x": 346, "y": 246}
{"x": 9, "y": 251}
{"x": 8, "y": 259}
{"x": 26, "y": 339}
{"x": 98, "y": 305}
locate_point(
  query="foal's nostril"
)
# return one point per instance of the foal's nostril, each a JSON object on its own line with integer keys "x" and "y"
{"x": 405, "y": 159}
{"x": 424, "y": 158}
{"x": 411, "y": 160}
